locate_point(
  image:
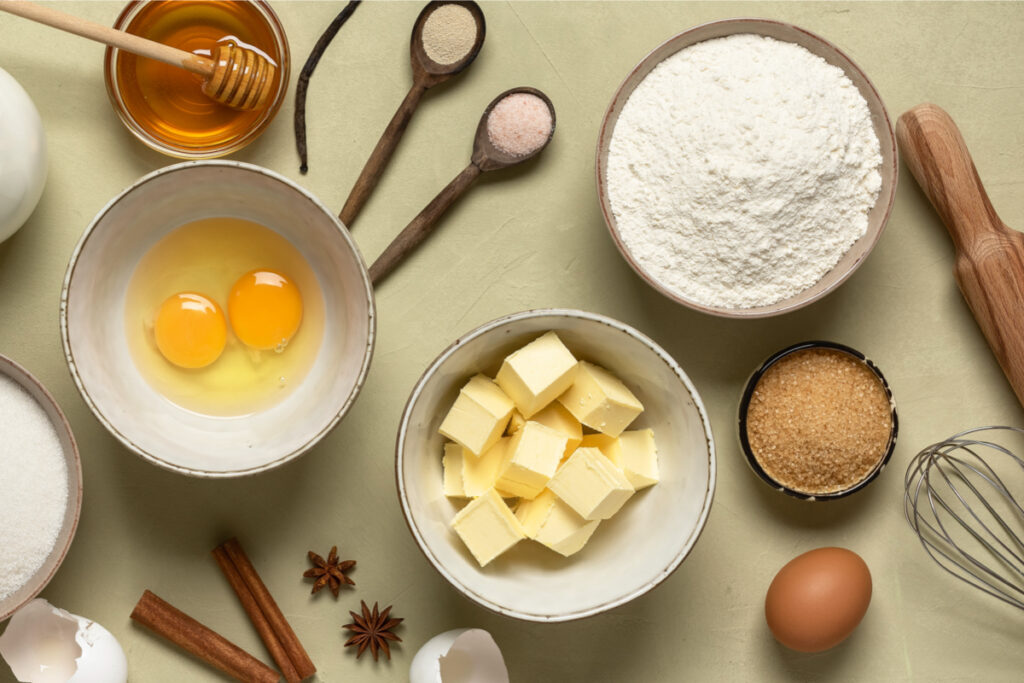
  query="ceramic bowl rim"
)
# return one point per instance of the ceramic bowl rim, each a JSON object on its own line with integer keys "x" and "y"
{"x": 128, "y": 443}
{"x": 19, "y": 374}
{"x": 748, "y": 392}
{"x": 496, "y": 324}
{"x": 646, "y": 65}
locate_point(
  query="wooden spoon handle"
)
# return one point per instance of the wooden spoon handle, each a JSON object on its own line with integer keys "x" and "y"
{"x": 381, "y": 154}
{"x": 109, "y": 36}
{"x": 938, "y": 158}
{"x": 422, "y": 225}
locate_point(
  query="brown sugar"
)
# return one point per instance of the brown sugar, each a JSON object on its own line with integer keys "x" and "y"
{"x": 819, "y": 421}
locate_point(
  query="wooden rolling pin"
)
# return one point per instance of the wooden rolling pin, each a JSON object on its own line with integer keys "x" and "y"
{"x": 989, "y": 264}
{"x": 235, "y": 76}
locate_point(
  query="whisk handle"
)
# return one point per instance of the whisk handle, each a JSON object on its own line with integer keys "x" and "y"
{"x": 990, "y": 257}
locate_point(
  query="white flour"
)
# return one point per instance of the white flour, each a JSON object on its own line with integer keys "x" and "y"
{"x": 741, "y": 169}
{"x": 33, "y": 486}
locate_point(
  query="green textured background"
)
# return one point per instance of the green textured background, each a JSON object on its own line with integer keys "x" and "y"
{"x": 526, "y": 239}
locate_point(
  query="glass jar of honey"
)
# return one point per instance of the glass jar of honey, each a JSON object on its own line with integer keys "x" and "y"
{"x": 163, "y": 105}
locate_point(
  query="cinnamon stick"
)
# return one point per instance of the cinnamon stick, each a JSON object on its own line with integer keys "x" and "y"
{"x": 263, "y": 626}
{"x": 303, "y": 665}
{"x": 209, "y": 646}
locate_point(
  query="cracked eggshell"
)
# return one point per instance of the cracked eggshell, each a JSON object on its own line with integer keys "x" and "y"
{"x": 22, "y": 156}
{"x": 459, "y": 656}
{"x": 44, "y": 644}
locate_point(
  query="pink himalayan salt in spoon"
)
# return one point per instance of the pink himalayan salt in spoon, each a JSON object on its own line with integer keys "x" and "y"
{"x": 520, "y": 124}
{"x": 515, "y": 127}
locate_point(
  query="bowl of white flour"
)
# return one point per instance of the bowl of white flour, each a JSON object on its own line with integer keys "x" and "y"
{"x": 40, "y": 487}
{"x": 746, "y": 168}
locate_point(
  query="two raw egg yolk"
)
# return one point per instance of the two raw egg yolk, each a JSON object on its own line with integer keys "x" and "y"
{"x": 264, "y": 307}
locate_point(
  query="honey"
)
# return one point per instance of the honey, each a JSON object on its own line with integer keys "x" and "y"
{"x": 166, "y": 103}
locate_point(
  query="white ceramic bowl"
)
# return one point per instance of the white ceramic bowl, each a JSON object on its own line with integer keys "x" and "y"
{"x": 96, "y": 346}
{"x": 629, "y": 554}
{"x": 34, "y": 585}
{"x": 877, "y": 217}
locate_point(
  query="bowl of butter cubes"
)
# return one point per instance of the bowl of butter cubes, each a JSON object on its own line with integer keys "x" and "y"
{"x": 554, "y": 464}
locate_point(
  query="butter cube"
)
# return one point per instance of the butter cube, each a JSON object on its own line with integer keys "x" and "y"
{"x": 487, "y": 527}
{"x": 632, "y": 452}
{"x": 452, "y": 464}
{"x": 532, "y": 513}
{"x": 591, "y": 485}
{"x": 480, "y": 474}
{"x": 478, "y": 416}
{"x": 599, "y": 400}
{"x": 531, "y": 459}
{"x": 536, "y": 374}
{"x": 556, "y": 417}
{"x": 467, "y": 476}
{"x": 549, "y": 521}
{"x": 637, "y": 457}
{"x": 560, "y": 419}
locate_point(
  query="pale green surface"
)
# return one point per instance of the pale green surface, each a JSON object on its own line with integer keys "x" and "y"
{"x": 533, "y": 239}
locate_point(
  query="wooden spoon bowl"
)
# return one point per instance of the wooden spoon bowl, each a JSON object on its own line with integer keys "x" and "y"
{"x": 426, "y": 69}
{"x": 486, "y": 155}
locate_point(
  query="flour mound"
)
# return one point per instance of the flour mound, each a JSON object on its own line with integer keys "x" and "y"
{"x": 741, "y": 170}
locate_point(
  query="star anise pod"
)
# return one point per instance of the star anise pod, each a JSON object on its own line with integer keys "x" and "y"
{"x": 329, "y": 572}
{"x": 373, "y": 630}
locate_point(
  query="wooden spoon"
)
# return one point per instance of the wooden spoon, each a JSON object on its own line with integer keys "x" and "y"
{"x": 486, "y": 157}
{"x": 989, "y": 267}
{"x": 426, "y": 73}
{"x": 235, "y": 76}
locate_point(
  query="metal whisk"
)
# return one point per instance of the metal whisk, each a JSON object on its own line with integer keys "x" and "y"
{"x": 968, "y": 517}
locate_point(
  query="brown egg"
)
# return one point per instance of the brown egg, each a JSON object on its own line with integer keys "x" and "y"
{"x": 816, "y": 600}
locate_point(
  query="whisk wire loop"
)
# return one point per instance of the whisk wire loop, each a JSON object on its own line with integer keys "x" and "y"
{"x": 940, "y": 530}
{"x": 967, "y": 517}
{"x": 990, "y": 476}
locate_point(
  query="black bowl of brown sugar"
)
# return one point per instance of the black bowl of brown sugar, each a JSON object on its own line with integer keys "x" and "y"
{"x": 817, "y": 421}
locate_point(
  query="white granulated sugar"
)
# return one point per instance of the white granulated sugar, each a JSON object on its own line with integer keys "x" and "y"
{"x": 33, "y": 486}
{"x": 741, "y": 169}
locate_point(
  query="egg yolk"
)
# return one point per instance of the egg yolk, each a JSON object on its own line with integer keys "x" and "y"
{"x": 265, "y": 309}
{"x": 190, "y": 330}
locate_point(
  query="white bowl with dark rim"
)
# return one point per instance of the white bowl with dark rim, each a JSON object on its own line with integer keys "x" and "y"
{"x": 877, "y": 217}
{"x": 96, "y": 344}
{"x": 748, "y": 393}
{"x": 73, "y": 508}
{"x": 656, "y": 529}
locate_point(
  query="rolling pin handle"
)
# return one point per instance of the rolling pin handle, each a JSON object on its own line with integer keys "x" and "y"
{"x": 937, "y": 156}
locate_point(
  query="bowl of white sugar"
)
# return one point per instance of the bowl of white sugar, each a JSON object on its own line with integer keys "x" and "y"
{"x": 746, "y": 168}
{"x": 40, "y": 487}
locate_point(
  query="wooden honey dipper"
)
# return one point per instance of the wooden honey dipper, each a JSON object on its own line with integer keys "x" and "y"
{"x": 234, "y": 76}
